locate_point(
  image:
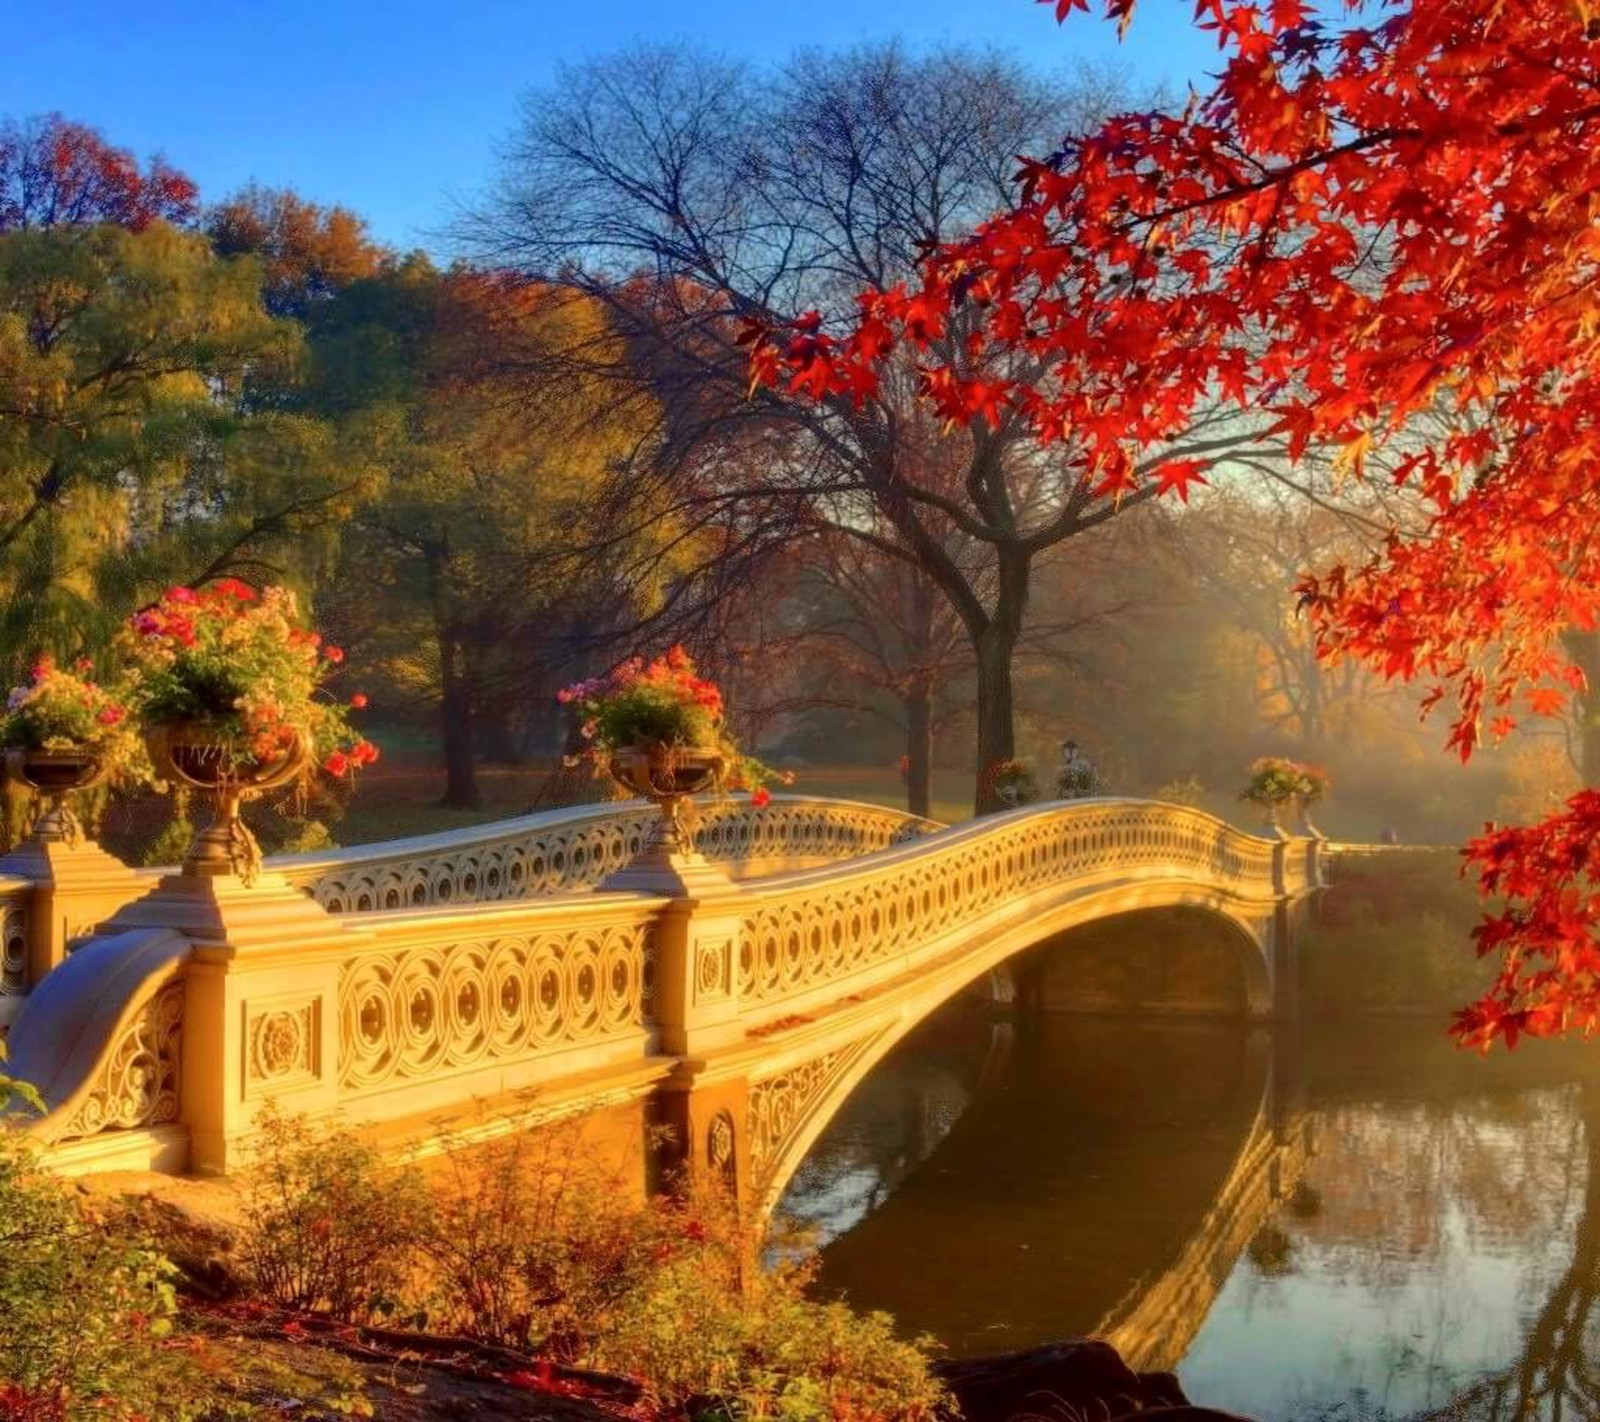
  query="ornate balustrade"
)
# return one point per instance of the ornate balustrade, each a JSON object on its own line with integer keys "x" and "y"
{"x": 806, "y": 930}
{"x": 442, "y": 1004}
{"x": 514, "y": 976}
{"x": 562, "y": 850}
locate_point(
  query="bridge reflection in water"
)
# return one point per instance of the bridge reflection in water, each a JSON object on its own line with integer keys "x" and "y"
{"x": 1437, "y": 1253}
{"x": 1124, "y": 1167}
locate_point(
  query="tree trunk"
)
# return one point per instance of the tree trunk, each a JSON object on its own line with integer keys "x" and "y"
{"x": 455, "y": 693}
{"x": 1584, "y": 649}
{"x": 455, "y": 727}
{"x": 918, "y": 702}
{"x": 997, "y": 736}
{"x": 996, "y": 647}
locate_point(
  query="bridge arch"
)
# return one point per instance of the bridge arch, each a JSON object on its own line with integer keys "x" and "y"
{"x": 809, "y": 1081}
{"x": 1208, "y": 1109}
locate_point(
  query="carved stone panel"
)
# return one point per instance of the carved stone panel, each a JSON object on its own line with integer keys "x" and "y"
{"x": 281, "y": 1044}
{"x": 13, "y": 948}
{"x": 713, "y": 971}
{"x": 138, "y": 1085}
{"x": 414, "y": 1012}
{"x": 781, "y": 1105}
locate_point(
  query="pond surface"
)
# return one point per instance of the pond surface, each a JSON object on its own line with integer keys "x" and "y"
{"x": 1355, "y": 1222}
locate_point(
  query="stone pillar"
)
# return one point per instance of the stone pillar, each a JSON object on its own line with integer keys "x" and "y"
{"x": 76, "y": 887}
{"x": 1285, "y": 964}
{"x": 705, "y": 1137}
{"x": 261, "y": 1004}
{"x": 696, "y": 948}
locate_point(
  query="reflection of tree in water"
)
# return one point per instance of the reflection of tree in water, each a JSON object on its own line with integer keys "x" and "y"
{"x": 1556, "y": 1375}
{"x": 1504, "y": 1169}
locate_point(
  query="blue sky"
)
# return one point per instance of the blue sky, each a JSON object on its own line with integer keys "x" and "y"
{"x": 393, "y": 107}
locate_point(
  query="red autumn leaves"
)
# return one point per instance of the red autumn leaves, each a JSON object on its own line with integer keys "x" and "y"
{"x": 1381, "y": 229}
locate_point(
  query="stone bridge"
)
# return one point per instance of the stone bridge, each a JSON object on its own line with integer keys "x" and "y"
{"x": 481, "y": 979}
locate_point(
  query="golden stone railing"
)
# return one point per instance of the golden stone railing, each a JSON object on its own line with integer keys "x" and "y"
{"x": 829, "y": 926}
{"x": 202, "y": 1002}
{"x": 471, "y": 1000}
{"x": 561, "y": 850}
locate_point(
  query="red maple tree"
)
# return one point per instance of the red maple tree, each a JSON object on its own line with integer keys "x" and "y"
{"x": 54, "y": 171}
{"x": 1383, "y": 225}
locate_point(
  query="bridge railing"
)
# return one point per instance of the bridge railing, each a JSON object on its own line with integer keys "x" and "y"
{"x": 558, "y": 851}
{"x": 806, "y": 930}
{"x": 229, "y": 997}
{"x": 443, "y": 1007}
{"x": 50, "y": 900}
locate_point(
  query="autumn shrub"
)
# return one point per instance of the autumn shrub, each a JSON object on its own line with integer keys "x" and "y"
{"x": 1393, "y": 934}
{"x": 86, "y": 1309}
{"x": 710, "y": 1336}
{"x": 541, "y": 1245}
{"x": 535, "y": 1241}
{"x": 326, "y": 1226}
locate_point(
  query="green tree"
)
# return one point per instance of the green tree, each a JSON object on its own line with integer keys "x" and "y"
{"x": 133, "y": 449}
{"x": 493, "y": 454}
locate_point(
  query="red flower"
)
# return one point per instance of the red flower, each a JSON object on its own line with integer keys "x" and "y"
{"x": 364, "y": 753}
{"x": 110, "y": 716}
{"x": 337, "y": 763}
{"x": 178, "y": 595}
{"x": 359, "y": 701}
{"x": 333, "y": 654}
{"x": 761, "y": 797}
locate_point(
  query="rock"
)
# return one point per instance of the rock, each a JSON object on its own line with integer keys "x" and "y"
{"x": 1080, "y": 1378}
{"x": 193, "y": 1222}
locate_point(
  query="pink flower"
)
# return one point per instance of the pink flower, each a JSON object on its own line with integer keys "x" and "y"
{"x": 110, "y": 716}
{"x": 178, "y": 595}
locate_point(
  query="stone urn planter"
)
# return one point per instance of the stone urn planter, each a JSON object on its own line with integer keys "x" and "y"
{"x": 1271, "y": 820}
{"x": 1303, "y": 821}
{"x": 667, "y": 776}
{"x": 56, "y": 775}
{"x": 194, "y": 752}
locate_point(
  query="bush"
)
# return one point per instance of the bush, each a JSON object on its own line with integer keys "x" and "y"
{"x": 532, "y": 1242}
{"x": 84, "y": 1307}
{"x": 535, "y": 1242}
{"x": 327, "y": 1227}
{"x": 1394, "y": 934}
{"x": 702, "y": 1345}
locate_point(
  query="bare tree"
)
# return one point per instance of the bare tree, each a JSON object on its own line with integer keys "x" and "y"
{"x": 692, "y": 195}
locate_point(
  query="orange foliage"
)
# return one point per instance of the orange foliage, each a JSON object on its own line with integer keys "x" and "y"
{"x": 1383, "y": 211}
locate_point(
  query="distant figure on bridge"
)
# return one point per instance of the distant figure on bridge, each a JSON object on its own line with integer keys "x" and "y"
{"x": 1391, "y": 835}
{"x": 1077, "y": 779}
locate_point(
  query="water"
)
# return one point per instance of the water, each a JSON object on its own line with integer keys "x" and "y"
{"x": 1355, "y": 1222}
